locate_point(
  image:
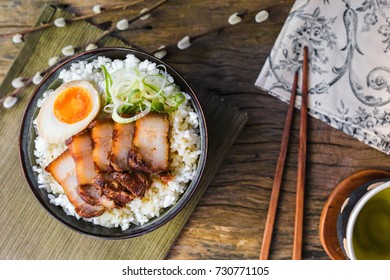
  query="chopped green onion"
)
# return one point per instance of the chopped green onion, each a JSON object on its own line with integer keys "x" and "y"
{"x": 108, "y": 80}
{"x": 179, "y": 98}
{"x": 129, "y": 92}
{"x": 119, "y": 119}
{"x": 158, "y": 106}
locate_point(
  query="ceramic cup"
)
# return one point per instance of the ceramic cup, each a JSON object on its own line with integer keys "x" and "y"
{"x": 363, "y": 225}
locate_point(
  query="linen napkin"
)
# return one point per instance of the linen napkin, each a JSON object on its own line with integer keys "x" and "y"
{"x": 349, "y": 52}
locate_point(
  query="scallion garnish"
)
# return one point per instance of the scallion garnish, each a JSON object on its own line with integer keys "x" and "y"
{"x": 130, "y": 92}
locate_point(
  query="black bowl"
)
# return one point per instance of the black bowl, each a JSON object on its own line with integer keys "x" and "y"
{"x": 27, "y": 158}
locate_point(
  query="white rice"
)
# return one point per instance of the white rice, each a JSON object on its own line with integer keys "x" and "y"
{"x": 184, "y": 151}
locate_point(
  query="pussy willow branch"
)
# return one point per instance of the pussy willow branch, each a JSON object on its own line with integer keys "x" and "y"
{"x": 14, "y": 26}
{"x": 85, "y": 17}
{"x": 113, "y": 29}
{"x": 109, "y": 10}
{"x": 193, "y": 38}
{"x": 245, "y": 16}
{"x": 28, "y": 81}
{"x": 218, "y": 30}
{"x": 16, "y": 92}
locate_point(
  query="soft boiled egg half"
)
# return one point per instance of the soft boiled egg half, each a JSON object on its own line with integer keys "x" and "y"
{"x": 67, "y": 111}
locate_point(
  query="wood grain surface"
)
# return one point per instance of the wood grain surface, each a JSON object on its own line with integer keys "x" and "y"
{"x": 229, "y": 220}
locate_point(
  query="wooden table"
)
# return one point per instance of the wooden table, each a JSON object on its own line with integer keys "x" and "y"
{"x": 228, "y": 222}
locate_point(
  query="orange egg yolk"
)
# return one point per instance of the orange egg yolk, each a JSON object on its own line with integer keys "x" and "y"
{"x": 73, "y": 105}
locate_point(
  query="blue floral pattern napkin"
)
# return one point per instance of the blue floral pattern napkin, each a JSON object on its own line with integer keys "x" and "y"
{"x": 349, "y": 51}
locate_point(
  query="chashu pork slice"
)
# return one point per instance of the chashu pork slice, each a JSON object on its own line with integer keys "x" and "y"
{"x": 63, "y": 171}
{"x": 93, "y": 194}
{"x": 150, "y": 144}
{"x": 80, "y": 147}
{"x": 101, "y": 133}
{"x": 122, "y": 141}
{"x": 113, "y": 190}
{"x": 134, "y": 182}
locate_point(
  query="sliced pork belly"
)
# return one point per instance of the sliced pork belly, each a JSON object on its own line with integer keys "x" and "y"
{"x": 150, "y": 144}
{"x": 113, "y": 190}
{"x": 122, "y": 141}
{"x": 93, "y": 194}
{"x": 136, "y": 162}
{"x": 63, "y": 171}
{"x": 101, "y": 133}
{"x": 80, "y": 147}
{"x": 86, "y": 210}
{"x": 134, "y": 182}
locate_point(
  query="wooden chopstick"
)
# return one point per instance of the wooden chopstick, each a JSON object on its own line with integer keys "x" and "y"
{"x": 301, "y": 173}
{"x": 269, "y": 225}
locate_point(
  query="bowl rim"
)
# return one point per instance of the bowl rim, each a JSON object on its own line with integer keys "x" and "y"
{"x": 173, "y": 209}
{"x": 355, "y": 213}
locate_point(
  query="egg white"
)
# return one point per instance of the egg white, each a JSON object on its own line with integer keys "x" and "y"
{"x": 53, "y": 130}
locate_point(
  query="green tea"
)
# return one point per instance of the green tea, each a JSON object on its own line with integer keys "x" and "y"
{"x": 371, "y": 233}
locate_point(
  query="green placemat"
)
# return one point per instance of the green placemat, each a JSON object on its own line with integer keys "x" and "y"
{"x": 27, "y": 231}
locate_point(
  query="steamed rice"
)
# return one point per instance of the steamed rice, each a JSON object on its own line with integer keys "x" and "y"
{"x": 184, "y": 151}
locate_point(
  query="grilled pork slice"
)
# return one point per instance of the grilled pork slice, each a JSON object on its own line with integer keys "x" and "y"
{"x": 88, "y": 211}
{"x": 80, "y": 147}
{"x": 113, "y": 190}
{"x": 122, "y": 141}
{"x": 93, "y": 194}
{"x": 137, "y": 163}
{"x": 150, "y": 144}
{"x": 63, "y": 171}
{"x": 134, "y": 182}
{"x": 101, "y": 133}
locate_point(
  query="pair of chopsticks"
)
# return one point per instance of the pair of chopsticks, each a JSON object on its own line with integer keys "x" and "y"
{"x": 298, "y": 228}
